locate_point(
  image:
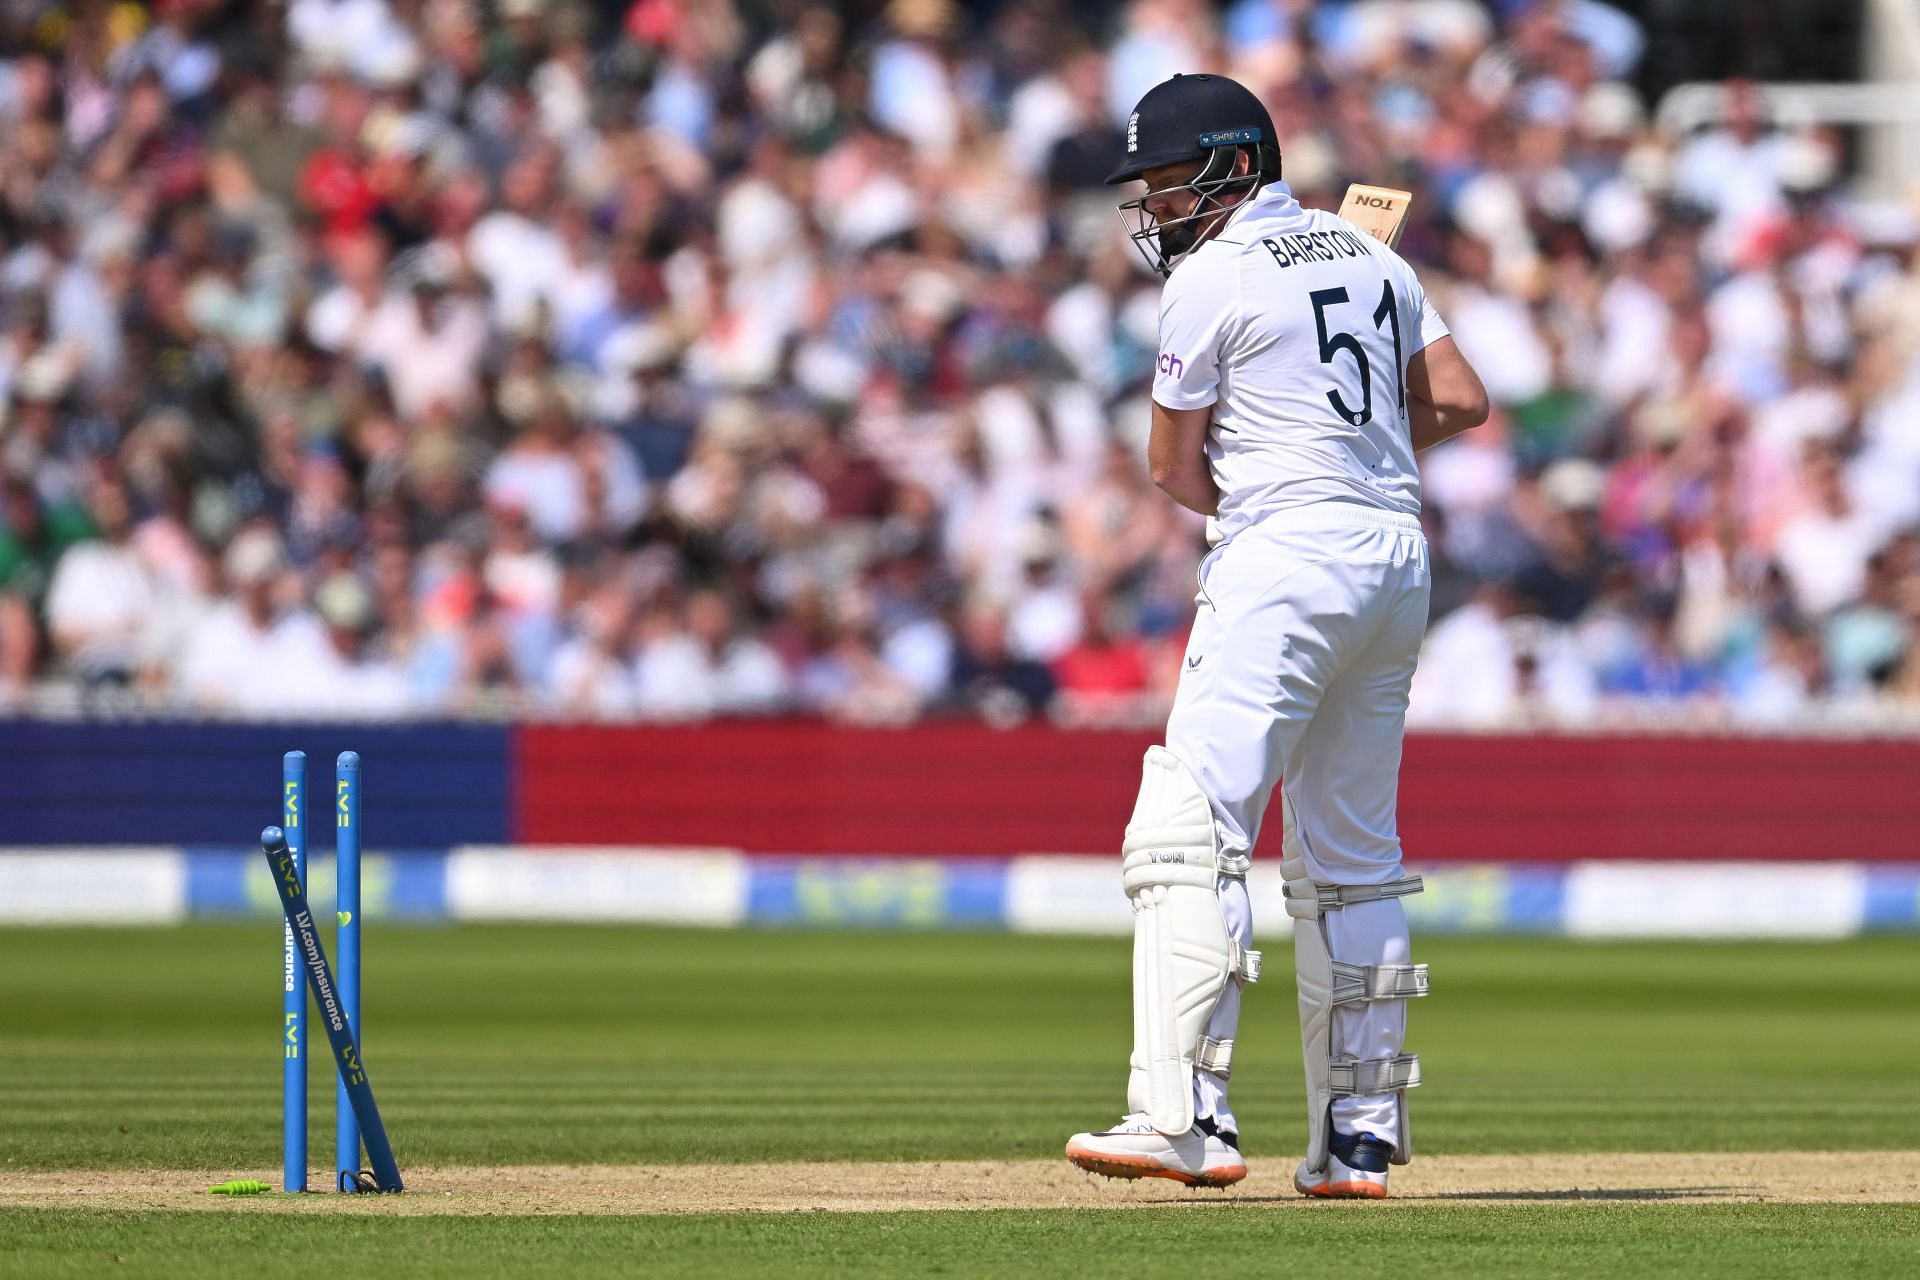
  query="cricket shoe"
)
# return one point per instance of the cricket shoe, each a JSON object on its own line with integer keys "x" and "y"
{"x": 1203, "y": 1156}
{"x": 1356, "y": 1169}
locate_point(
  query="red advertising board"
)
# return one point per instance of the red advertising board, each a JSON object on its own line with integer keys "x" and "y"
{"x": 965, "y": 789}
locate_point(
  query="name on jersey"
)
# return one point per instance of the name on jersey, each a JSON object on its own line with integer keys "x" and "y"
{"x": 1314, "y": 246}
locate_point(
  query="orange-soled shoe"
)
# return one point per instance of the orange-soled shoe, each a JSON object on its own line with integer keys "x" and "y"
{"x": 1356, "y": 1169}
{"x": 1204, "y": 1156}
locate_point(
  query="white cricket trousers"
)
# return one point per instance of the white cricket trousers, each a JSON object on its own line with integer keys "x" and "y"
{"x": 1303, "y": 649}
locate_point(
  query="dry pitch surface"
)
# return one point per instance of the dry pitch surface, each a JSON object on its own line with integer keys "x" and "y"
{"x": 1800, "y": 1177}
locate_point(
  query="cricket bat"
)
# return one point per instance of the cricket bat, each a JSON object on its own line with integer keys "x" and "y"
{"x": 1381, "y": 212}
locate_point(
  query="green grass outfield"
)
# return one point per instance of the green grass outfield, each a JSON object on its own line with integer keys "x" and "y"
{"x": 513, "y": 1045}
{"x": 1853, "y": 1241}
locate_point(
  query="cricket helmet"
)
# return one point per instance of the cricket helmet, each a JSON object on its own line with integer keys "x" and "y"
{"x": 1205, "y": 118}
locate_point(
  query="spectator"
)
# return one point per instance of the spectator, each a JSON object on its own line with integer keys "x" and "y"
{"x": 988, "y": 677}
{"x": 1784, "y": 684}
{"x": 232, "y": 657}
{"x": 33, "y": 537}
{"x": 1655, "y": 667}
{"x": 590, "y": 678}
{"x": 1488, "y": 664}
{"x": 692, "y": 663}
{"x": 426, "y": 338}
{"x": 1105, "y": 671}
{"x": 1825, "y": 549}
{"x": 846, "y": 677}
{"x": 101, "y": 597}
{"x": 1903, "y": 680}
{"x": 346, "y": 673}
{"x": 1044, "y": 616}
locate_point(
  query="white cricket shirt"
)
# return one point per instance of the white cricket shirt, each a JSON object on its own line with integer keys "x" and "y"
{"x": 1297, "y": 328}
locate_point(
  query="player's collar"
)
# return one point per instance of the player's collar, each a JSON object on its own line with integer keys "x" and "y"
{"x": 1275, "y": 196}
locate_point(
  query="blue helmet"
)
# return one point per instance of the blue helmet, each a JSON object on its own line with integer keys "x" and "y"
{"x": 1204, "y": 118}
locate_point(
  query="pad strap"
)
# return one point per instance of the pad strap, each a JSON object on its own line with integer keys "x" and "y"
{"x": 1246, "y": 965}
{"x": 1357, "y": 983}
{"x": 1359, "y": 1077}
{"x": 1307, "y": 899}
{"x": 1216, "y": 1055}
{"x": 1332, "y": 897}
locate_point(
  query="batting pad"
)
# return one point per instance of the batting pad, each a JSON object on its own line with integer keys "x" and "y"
{"x": 1324, "y": 982}
{"x": 1183, "y": 955}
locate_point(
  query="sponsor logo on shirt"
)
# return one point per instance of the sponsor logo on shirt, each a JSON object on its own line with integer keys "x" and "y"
{"x": 1171, "y": 365}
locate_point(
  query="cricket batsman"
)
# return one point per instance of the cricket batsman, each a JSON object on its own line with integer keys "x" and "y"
{"x": 1301, "y": 367}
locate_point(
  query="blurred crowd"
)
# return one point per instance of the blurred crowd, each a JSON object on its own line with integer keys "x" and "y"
{"x": 541, "y": 357}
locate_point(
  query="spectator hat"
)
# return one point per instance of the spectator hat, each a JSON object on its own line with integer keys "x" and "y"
{"x": 1886, "y": 224}
{"x": 1611, "y": 109}
{"x": 344, "y": 603}
{"x": 253, "y": 557}
{"x": 44, "y": 379}
{"x": 642, "y": 348}
{"x": 1573, "y": 484}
